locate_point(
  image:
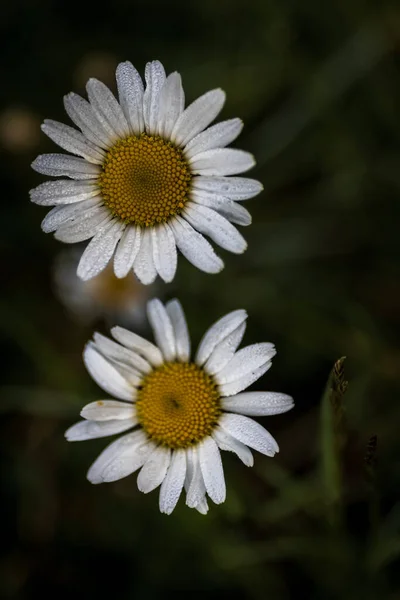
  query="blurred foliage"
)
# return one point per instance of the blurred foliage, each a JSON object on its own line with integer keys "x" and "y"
{"x": 317, "y": 86}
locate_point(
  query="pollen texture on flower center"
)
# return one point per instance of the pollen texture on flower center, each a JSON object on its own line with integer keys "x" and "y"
{"x": 178, "y": 405}
{"x": 145, "y": 180}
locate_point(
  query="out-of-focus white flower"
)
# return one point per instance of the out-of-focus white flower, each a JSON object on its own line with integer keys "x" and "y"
{"x": 115, "y": 300}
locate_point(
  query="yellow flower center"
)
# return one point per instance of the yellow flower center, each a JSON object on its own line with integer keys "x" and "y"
{"x": 178, "y": 405}
{"x": 145, "y": 180}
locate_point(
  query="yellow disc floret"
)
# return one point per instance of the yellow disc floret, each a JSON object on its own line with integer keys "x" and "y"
{"x": 145, "y": 180}
{"x": 178, "y": 405}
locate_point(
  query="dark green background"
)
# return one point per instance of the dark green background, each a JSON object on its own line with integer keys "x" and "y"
{"x": 317, "y": 86}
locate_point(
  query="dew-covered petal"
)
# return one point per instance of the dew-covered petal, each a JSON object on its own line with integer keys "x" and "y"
{"x": 105, "y": 375}
{"x": 217, "y": 136}
{"x": 250, "y": 433}
{"x": 85, "y": 117}
{"x": 154, "y": 470}
{"x": 219, "y": 229}
{"x": 218, "y": 332}
{"x": 108, "y": 410}
{"x": 235, "y": 188}
{"x": 121, "y": 458}
{"x": 222, "y": 161}
{"x": 212, "y": 470}
{"x": 59, "y": 215}
{"x": 64, "y": 165}
{"x": 62, "y": 191}
{"x": 111, "y": 349}
{"x": 127, "y": 250}
{"x": 143, "y": 265}
{"x": 99, "y": 251}
{"x": 145, "y": 348}
{"x": 107, "y": 108}
{"x": 197, "y": 116}
{"x": 164, "y": 251}
{"x": 236, "y": 386}
{"x": 229, "y": 209}
{"x": 155, "y": 78}
{"x": 172, "y": 485}
{"x": 226, "y": 442}
{"x": 85, "y": 225}
{"x": 181, "y": 331}
{"x": 89, "y": 430}
{"x": 172, "y": 103}
{"x": 258, "y": 404}
{"x": 72, "y": 141}
{"x": 225, "y": 350}
{"x": 194, "y": 247}
{"x": 130, "y": 92}
{"x": 194, "y": 485}
{"x": 246, "y": 360}
{"x": 162, "y": 328}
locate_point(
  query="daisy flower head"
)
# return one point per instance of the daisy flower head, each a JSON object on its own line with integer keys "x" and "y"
{"x": 148, "y": 177}
{"x": 182, "y": 412}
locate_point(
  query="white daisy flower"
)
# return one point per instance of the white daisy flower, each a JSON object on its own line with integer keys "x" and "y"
{"x": 151, "y": 176}
{"x": 105, "y": 296}
{"x": 182, "y": 412}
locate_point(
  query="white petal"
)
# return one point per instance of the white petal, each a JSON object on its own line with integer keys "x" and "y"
{"x": 72, "y": 141}
{"x": 155, "y": 77}
{"x": 222, "y": 161}
{"x": 105, "y": 375}
{"x": 202, "y": 507}
{"x": 130, "y": 374}
{"x": 226, "y": 442}
{"x": 250, "y": 433}
{"x": 154, "y": 470}
{"x": 63, "y": 191}
{"x": 131, "y": 340}
{"x": 229, "y": 209}
{"x": 85, "y": 225}
{"x": 99, "y": 251}
{"x": 130, "y": 91}
{"x": 111, "y": 349}
{"x": 85, "y": 117}
{"x": 195, "y": 247}
{"x": 172, "y": 485}
{"x": 64, "y": 165}
{"x": 197, "y": 116}
{"x": 218, "y": 332}
{"x": 212, "y": 470}
{"x": 143, "y": 265}
{"x": 236, "y": 188}
{"x": 107, "y": 410}
{"x": 225, "y": 350}
{"x": 172, "y": 103}
{"x": 162, "y": 328}
{"x": 258, "y": 404}
{"x": 195, "y": 486}
{"x": 59, "y": 215}
{"x": 121, "y": 458}
{"x": 236, "y": 386}
{"x": 89, "y": 430}
{"x": 217, "y": 136}
{"x": 181, "y": 332}
{"x": 106, "y": 107}
{"x": 246, "y": 360}
{"x": 164, "y": 251}
{"x": 218, "y": 228}
{"x": 127, "y": 250}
